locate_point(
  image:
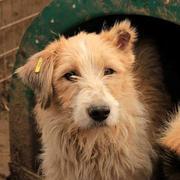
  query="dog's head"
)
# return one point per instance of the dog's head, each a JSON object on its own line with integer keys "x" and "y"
{"x": 87, "y": 76}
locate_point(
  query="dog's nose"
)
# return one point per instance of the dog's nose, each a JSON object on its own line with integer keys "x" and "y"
{"x": 99, "y": 113}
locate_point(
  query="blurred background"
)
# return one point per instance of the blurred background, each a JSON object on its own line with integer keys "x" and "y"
{"x": 15, "y": 17}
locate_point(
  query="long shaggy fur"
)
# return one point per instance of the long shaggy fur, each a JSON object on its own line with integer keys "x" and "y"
{"x": 76, "y": 148}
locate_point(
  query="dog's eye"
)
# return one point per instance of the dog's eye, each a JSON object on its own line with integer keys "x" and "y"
{"x": 108, "y": 71}
{"x": 70, "y": 76}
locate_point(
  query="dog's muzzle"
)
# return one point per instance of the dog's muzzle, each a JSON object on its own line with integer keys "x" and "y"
{"x": 98, "y": 113}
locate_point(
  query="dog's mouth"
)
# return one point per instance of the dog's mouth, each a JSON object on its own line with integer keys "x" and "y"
{"x": 98, "y": 125}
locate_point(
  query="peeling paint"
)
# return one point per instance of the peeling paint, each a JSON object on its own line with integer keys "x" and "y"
{"x": 52, "y": 20}
{"x": 37, "y": 41}
{"x": 73, "y": 6}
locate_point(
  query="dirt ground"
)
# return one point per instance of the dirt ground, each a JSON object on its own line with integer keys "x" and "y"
{"x": 4, "y": 144}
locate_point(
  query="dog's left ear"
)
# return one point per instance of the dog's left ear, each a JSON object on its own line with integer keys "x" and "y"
{"x": 122, "y": 35}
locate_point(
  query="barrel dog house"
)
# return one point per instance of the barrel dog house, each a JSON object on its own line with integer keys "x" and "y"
{"x": 156, "y": 19}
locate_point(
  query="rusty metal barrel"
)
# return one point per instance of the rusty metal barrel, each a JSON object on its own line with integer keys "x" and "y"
{"x": 153, "y": 19}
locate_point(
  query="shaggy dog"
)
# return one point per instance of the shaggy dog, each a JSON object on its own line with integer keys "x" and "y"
{"x": 100, "y": 103}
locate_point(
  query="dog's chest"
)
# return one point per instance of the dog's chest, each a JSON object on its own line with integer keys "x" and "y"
{"x": 76, "y": 163}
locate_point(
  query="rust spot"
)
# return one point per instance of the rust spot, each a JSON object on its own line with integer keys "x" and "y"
{"x": 166, "y": 2}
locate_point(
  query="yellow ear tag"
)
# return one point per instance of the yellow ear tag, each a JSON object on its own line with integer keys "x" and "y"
{"x": 38, "y": 65}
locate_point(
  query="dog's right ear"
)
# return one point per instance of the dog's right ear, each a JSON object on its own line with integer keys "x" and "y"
{"x": 37, "y": 74}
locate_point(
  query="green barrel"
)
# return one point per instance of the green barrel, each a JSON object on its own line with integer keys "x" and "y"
{"x": 68, "y": 17}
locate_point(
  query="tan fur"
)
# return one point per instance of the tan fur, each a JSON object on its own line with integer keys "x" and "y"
{"x": 74, "y": 148}
{"x": 171, "y": 137}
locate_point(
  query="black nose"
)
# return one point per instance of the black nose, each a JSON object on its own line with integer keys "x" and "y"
{"x": 98, "y": 113}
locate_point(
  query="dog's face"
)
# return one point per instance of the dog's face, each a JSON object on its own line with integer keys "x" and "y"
{"x": 87, "y": 76}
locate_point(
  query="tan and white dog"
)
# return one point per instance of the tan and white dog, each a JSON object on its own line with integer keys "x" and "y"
{"x": 99, "y": 106}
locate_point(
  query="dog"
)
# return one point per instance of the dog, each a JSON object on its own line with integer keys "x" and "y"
{"x": 100, "y": 102}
